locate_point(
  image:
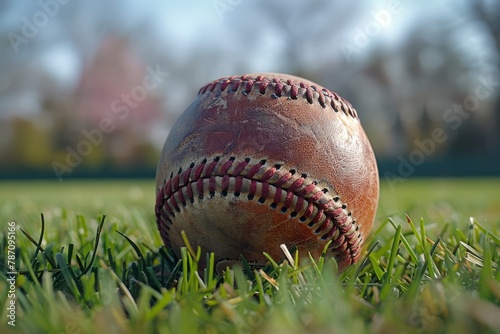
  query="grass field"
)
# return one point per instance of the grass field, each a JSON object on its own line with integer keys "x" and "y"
{"x": 433, "y": 271}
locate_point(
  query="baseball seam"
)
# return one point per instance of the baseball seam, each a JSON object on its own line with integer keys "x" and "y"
{"x": 288, "y": 191}
{"x": 281, "y": 88}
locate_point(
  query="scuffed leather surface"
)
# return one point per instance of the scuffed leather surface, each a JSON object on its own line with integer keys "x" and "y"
{"x": 328, "y": 146}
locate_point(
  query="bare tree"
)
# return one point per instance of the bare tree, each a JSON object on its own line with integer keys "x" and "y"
{"x": 488, "y": 12}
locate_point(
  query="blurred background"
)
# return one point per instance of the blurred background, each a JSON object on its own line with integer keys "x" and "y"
{"x": 91, "y": 89}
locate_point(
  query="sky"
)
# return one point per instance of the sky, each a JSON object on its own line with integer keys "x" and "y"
{"x": 185, "y": 25}
{"x": 402, "y": 63}
{"x": 233, "y": 35}
{"x": 182, "y": 25}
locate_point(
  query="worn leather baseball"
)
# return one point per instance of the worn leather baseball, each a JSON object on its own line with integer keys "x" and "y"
{"x": 266, "y": 159}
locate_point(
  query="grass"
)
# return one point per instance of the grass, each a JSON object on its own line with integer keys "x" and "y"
{"x": 95, "y": 264}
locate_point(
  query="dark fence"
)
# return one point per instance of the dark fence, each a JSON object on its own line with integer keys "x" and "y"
{"x": 399, "y": 167}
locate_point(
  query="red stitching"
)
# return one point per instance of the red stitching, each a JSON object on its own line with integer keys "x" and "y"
{"x": 198, "y": 170}
{"x": 186, "y": 174}
{"x": 254, "y": 170}
{"x": 318, "y": 217}
{"x": 309, "y": 210}
{"x": 239, "y": 168}
{"x": 268, "y": 174}
{"x": 321, "y": 99}
{"x": 248, "y": 86}
{"x": 277, "y": 196}
{"x": 294, "y": 92}
{"x": 288, "y": 199}
{"x": 262, "y": 86}
{"x": 181, "y": 198}
{"x": 224, "y": 84}
{"x": 211, "y": 185}
{"x": 225, "y": 184}
{"x": 175, "y": 183}
{"x": 278, "y": 89}
{"x": 284, "y": 179}
{"x": 253, "y": 188}
{"x": 223, "y": 170}
{"x": 210, "y": 168}
{"x": 328, "y": 215}
{"x": 234, "y": 85}
{"x": 199, "y": 187}
{"x": 281, "y": 87}
{"x": 264, "y": 193}
{"x": 174, "y": 203}
{"x": 189, "y": 193}
{"x": 238, "y": 184}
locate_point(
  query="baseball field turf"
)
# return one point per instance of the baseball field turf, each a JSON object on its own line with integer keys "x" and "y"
{"x": 86, "y": 257}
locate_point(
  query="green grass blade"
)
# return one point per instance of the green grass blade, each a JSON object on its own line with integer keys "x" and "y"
{"x": 111, "y": 260}
{"x": 406, "y": 243}
{"x": 134, "y": 246}
{"x": 96, "y": 245}
{"x": 40, "y": 239}
{"x": 364, "y": 261}
{"x": 69, "y": 277}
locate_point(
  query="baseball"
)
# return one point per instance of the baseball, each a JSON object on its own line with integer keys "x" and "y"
{"x": 266, "y": 159}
